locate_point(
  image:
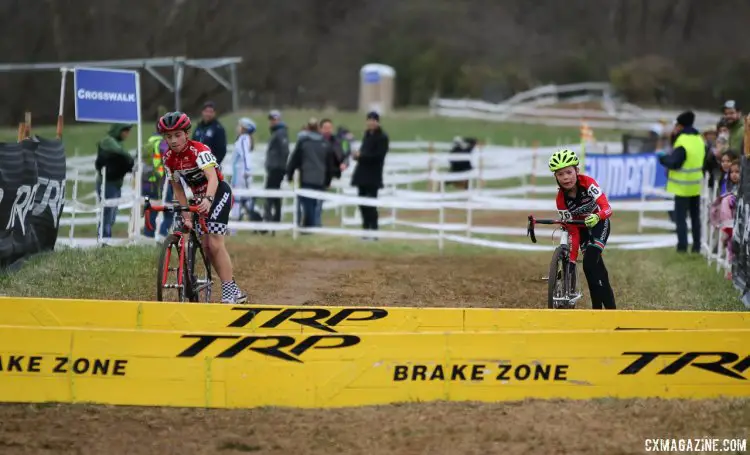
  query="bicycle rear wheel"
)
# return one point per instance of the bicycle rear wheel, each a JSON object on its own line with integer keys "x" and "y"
{"x": 198, "y": 271}
{"x": 558, "y": 282}
{"x": 169, "y": 287}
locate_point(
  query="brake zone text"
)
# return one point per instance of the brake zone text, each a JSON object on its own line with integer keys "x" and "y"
{"x": 89, "y": 366}
{"x": 322, "y": 319}
{"x": 477, "y": 372}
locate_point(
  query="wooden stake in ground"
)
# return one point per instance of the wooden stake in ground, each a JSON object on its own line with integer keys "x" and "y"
{"x": 21, "y": 128}
{"x": 27, "y": 126}
{"x": 432, "y": 167}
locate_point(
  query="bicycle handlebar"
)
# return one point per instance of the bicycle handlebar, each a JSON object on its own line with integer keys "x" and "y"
{"x": 171, "y": 208}
{"x": 533, "y": 221}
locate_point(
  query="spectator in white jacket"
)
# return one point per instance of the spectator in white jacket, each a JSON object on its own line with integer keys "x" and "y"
{"x": 242, "y": 177}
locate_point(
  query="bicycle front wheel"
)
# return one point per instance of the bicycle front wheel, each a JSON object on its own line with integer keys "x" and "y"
{"x": 169, "y": 286}
{"x": 558, "y": 282}
{"x": 198, "y": 273}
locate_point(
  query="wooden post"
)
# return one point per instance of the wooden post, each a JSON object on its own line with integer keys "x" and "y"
{"x": 481, "y": 166}
{"x": 27, "y": 121}
{"x": 431, "y": 166}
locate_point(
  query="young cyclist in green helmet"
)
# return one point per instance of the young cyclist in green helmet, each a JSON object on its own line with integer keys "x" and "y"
{"x": 581, "y": 198}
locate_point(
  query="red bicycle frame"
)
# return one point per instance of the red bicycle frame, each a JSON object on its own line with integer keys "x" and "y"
{"x": 177, "y": 209}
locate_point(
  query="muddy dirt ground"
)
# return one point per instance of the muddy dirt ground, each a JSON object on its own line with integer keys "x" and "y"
{"x": 288, "y": 277}
{"x": 545, "y": 427}
{"x": 324, "y": 276}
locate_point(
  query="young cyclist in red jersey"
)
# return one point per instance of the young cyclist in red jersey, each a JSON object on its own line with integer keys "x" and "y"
{"x": 193, "y": 164}
{"x": 580, "y": 198}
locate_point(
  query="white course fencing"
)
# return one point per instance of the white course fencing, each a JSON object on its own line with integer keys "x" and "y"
{"x": 532, "y": 107}
{"x": 503, "y": 179}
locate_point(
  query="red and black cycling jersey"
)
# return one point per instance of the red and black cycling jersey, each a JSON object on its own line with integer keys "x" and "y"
{"x": 190, "y": 164}
{"x": 588, "y": 199}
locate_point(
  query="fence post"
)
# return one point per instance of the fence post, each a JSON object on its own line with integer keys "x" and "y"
{"x": 73, "y": 212}
{"x": 431, "y": 152}
{"x": 522, "y": 177}
{"x": 295, "y": 212}
{"x": 534, "y": 156}
{"x": 481, "y": 165}
{"x": 102, "y": 201}
{"x": 441, "y": 232}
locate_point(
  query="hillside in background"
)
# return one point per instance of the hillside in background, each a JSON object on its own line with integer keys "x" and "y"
{"x": 309, "y": 52}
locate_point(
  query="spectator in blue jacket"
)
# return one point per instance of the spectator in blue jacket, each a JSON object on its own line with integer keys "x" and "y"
{"x": 210, "y": 132}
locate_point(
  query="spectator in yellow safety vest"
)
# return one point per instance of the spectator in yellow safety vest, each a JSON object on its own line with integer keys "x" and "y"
{"x": 684, "y": 179}
{"x": 153, "y": 181}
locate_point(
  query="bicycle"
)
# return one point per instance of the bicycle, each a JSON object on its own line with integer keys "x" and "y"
{"x": 559, "y": 292}
{"x": 184, "y": 245}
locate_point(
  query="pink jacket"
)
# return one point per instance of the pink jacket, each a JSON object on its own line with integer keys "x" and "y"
{"x": 722, "y": 211}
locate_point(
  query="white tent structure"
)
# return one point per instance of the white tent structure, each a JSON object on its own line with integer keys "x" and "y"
{"x": 178, "y": 65}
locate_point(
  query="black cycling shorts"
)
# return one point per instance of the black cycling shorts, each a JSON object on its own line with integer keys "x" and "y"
{"x": 597, "y": 236}
{"x": 218, "y": 217}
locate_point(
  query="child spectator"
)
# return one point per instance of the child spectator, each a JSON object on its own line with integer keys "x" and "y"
{"x": 726, "y": 163}
{"x": 724, "y": 207}
{"x": 242, "y": 176}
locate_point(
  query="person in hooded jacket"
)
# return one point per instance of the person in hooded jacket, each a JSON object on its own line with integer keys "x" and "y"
{"x": 277, "y": 155}
{"x": 316, "y": 162}
{"x": 685, "y": 177}
{"x": 112, "y": 163}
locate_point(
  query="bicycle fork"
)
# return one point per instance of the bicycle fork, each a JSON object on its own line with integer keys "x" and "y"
{"x": 571, "y": 295}
{"x": 180, "y": 267}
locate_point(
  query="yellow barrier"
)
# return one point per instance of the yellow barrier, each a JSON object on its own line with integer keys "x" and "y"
{"x": 38, "y": 312}
{"x": 327, "y": 370}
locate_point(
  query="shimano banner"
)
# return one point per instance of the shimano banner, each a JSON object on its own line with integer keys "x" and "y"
{"x": 741, "y": 235}
{"x": 32, "y": 192}
{"x": 624, "y": 176}
{"x": 106, "y": 95}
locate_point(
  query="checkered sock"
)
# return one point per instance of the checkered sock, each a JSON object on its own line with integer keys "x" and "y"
{"x": 229, "y": 290}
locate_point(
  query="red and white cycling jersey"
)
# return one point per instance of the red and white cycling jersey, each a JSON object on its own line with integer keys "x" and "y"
{"x": 189, "y": 164}
{"x": 589, "y": 199}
